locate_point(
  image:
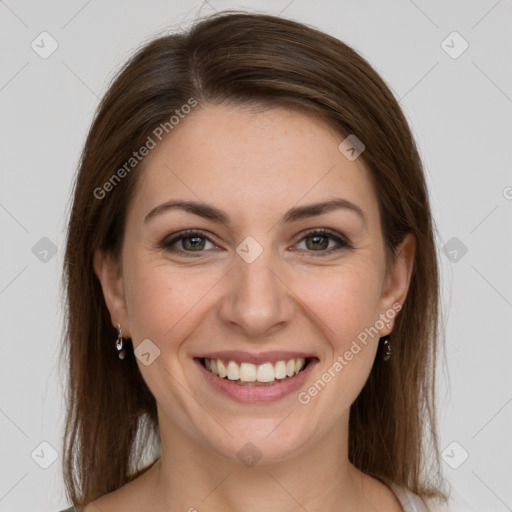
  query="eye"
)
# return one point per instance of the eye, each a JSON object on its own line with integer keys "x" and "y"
{"x": 319, "y": 241}
{"x": 191, "y": 241}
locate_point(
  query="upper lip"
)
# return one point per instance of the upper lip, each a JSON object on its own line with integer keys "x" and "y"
{"x": 240, "y": 356}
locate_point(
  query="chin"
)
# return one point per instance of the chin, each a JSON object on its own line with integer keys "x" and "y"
{"x": 263, "y": 441}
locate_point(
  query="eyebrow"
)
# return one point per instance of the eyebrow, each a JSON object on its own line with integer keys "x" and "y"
{"x": 294, "y": 214}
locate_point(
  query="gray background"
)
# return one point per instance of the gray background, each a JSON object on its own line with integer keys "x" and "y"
{"x": 460, "y": 111}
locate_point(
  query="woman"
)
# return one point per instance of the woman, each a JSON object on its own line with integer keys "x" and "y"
{"x": 252, "y": 284}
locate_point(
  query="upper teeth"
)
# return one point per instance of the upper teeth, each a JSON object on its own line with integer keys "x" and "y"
{"x": 248, "y": 372}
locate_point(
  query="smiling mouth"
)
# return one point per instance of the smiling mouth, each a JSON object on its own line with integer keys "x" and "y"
{"x": 248, "y": 374}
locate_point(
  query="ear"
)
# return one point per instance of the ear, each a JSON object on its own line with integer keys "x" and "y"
{"x": 398, "y": 278}
{"x": 108, "y": 272}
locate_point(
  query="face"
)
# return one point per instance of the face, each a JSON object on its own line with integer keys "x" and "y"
{"x": 252, "y": 274}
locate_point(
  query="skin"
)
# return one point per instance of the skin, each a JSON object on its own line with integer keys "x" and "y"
{"x": 254, "y": 166}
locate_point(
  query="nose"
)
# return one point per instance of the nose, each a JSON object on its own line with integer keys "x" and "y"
{"x": 256, "y": 299}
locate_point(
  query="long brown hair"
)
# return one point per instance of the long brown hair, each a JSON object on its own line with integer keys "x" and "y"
{"x": 111, "y": 428}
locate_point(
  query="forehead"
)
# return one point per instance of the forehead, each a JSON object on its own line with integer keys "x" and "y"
{"x": 253, "y": 162}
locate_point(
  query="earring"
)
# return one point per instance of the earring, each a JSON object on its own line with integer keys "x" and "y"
{"x": 121, "y": 352}
{"x": 387, "y": 352}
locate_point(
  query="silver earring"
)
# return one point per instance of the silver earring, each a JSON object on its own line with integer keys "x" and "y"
{"x": 121, "y": 352}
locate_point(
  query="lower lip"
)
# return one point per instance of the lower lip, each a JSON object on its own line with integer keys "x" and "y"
{"x": 248, "y": 394}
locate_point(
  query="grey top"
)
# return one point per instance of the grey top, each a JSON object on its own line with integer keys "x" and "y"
{"x": 409, "y": 501}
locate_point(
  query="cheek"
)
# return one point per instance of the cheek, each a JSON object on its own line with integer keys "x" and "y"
{"x": 158, "y": 300}
{"x": 166, "y": 304}
{"x": 345, "y": 305}
{"x": 345, "y": 300}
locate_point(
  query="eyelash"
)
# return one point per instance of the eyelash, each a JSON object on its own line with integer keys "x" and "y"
{"x": 167, "y": 243}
